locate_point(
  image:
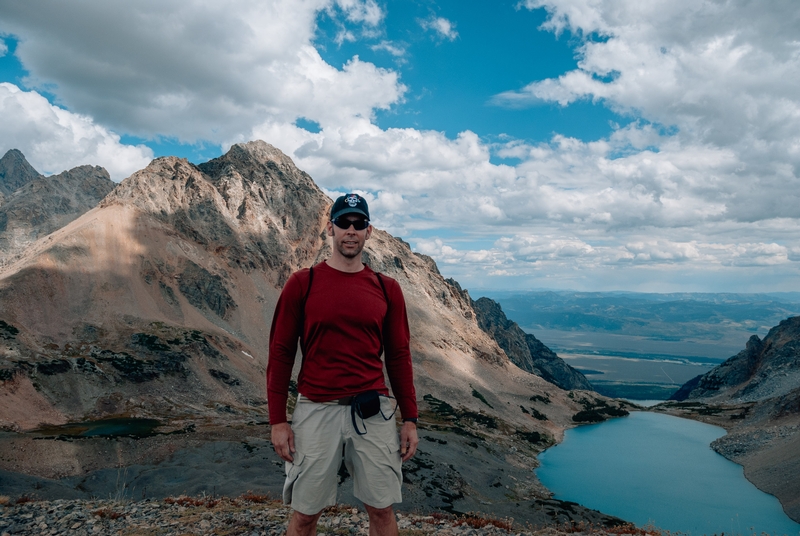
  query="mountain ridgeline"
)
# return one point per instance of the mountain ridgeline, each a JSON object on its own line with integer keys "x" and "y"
{"x": 155, "y": 305}
{"x": 525, "y": 350}
{"x": 32, "y": 205}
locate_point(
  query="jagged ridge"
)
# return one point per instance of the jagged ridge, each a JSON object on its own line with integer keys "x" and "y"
{"x": 524, "y": 349}
{"x": 32, "y": 205}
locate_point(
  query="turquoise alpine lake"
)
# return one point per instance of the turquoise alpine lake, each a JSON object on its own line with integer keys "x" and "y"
{"x": 659, "y": 470}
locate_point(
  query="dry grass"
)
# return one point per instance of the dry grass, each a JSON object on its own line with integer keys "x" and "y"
{"x": 183, "y": 500}
{"x": 476, "y": 521}
{"x": 107, "y": 513}
{"x": 5, "y": 500}
{"x": 588, "y": 528}
{"x": 255, "y": 498}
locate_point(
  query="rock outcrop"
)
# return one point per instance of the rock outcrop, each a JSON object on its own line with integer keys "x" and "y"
{"x": 33, "y": 206}
{"x": 763, "y": 370}
{"x": 755, "y": 396}
{"x": 525, "y": 350}
{"x": 157, "y": 304}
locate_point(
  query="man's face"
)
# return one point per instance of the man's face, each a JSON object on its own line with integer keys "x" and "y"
{"x": 348, "y": 242}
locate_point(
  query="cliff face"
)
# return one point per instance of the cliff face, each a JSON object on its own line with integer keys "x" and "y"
{"x": 32, "y": 206}
{"x": 755, "y": 395}
{"x": 524, "y": 350}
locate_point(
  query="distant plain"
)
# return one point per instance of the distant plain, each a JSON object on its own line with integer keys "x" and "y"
{"x": 644, "y": 346}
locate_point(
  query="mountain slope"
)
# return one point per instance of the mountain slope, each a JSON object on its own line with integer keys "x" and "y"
{"x": 158, "y": 302}
{"x": 755, "y": 395}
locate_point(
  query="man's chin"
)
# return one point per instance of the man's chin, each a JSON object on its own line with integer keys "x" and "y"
{"x": 350, "y": 254}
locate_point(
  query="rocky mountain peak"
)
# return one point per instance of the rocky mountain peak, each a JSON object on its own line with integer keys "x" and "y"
{"x": 259, "y": 153}
{"x": 252, "y": 206}
{"x": 39, "y": 205}
{"x": 755, "y": 396}
{"x": 15, "y": 172}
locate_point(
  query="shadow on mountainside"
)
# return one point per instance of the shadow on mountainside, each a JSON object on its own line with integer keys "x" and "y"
{"x": 157, "y": 305}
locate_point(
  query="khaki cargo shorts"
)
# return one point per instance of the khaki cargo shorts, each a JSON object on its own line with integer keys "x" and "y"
{"x": 321, "y": 431}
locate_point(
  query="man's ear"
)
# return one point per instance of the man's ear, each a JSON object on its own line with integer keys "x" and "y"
{"x": 329, "y": 228}
{"x": 369, "y": 233}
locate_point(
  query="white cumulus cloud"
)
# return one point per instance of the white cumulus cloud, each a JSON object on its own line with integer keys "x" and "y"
{"x": 196, "y": 70}
{"x": 53, "y": 139}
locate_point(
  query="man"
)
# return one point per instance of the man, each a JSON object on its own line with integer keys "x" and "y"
{"x": 344, "y": 316}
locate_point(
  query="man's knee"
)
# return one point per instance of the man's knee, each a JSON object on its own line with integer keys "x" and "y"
{"x": 379, "y": 513}
{"x": 302, "y": 524}
{"x": 305, "y": 519}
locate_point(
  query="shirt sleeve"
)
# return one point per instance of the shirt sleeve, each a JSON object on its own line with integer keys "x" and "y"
{"x": 283, "y": 339}
{"x": 397, "y": 351}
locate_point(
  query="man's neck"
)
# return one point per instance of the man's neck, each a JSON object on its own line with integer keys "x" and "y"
{"x": 344, "y": 264}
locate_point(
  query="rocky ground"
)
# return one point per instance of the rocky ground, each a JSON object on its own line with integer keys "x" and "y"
{"x": 248, "y": 514}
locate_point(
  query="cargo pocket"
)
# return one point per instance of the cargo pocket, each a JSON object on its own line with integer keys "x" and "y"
{"x": 293, "y": 471}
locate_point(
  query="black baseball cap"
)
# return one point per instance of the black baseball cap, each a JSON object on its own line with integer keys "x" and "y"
{"x": 349, "y": 204}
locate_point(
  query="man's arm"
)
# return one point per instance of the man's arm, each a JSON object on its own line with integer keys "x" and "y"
{"x": 283, "y": 337}
{"x": 397, "y": 354}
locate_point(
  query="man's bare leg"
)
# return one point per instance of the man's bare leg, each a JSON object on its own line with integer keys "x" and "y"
{"x": 381, "y": 521}
{"x": 303, "y": 525}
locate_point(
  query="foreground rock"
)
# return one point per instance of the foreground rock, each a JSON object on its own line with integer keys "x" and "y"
{"x": 755, "y": 396}
{"x": 250, "y": 514}
{"x": 460, "y": 467}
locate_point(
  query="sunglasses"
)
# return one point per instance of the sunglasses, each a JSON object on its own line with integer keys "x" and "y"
{"x": 344, "y": 223}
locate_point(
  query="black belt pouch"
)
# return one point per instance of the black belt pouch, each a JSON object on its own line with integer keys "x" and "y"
{"x": 367, "y": 404}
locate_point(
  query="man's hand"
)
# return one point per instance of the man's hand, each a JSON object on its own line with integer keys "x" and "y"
{"x": 283, "y": 440}
{"x": 408, "y": 440}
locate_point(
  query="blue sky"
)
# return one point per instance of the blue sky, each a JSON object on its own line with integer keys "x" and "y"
{"x": 452, "y": 81}
{"x": 574, "y": 144}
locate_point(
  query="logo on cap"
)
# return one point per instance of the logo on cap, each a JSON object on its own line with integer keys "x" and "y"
{"x": 352, "y": 200}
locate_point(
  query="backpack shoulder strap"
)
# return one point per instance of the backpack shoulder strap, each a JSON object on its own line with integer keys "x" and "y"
{"x": 308, "y": 290}
{"x": 303, "y": 309}
{"x": 383, "y": 288}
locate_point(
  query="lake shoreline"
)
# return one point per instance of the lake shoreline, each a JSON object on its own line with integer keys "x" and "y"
{"x": 760, "y": 451}
{"x": 661, "y": 468}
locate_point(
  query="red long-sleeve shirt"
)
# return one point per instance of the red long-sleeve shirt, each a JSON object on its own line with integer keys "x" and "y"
{"x": 342, "y": 338}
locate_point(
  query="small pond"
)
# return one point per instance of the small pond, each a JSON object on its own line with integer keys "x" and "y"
{"x": 119, "y": 427}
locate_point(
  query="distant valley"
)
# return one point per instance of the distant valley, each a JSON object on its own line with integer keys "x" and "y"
{"x": 644, "y": 345}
